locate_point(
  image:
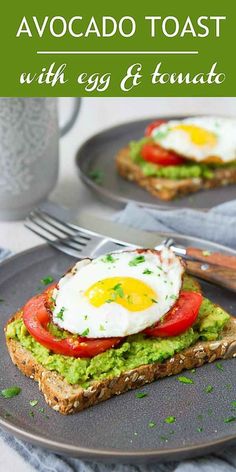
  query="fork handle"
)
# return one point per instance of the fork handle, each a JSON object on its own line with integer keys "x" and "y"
{"x": 217, "y": 258}
{"x": 219, "y": 275}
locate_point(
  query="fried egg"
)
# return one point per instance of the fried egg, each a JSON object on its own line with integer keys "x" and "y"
{"x": 203, "y": 139}
{"x": 117, "y": 294}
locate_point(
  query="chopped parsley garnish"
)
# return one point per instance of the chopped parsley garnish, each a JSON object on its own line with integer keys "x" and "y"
{"x": 199, "y": 429}
{"x": 219, "y": 366}
{"x": 47, "y": 280}
{"x": 60, "y": 315}
{"x": 164, "y": 438}
{"x": 141, "y": 394}
{"x": 101, "y": 328}
{"x": 206, "y": 253}
{"x": 41, "y": 410}
{"x": 147, "y": 272}
{"x": 170, "y": 419}
{"x": 159, "y": 267}
{"x": 151, "y": 424}
{"x": 153, "y": 300}
{"x": 193, "y": 371}
{"x": 136, "y": 261}
{"x": 85, "y": 332}
{"x": 31, "y": 413}
{"x": 97, "y": 176}
{"x": 118, "y": 290}
{"x": 230, "y": 419}
{"x": 33, "y": 402}
{"x": 233, "y": 404}
{"x": 135, "y": 433}
{"x": 85, "y": 317}
{"x": 200, "y": 417}
{"x": 10, "y": 392}
{"x": 173, "y": 297}
{"x": 185, "y": 380}
{"x": 208, "y": 389}
{"x": 109, "y": 258}
{"x": 229, "y": 386}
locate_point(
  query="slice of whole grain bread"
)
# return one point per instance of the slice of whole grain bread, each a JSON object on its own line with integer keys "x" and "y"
{"x": 168, "y": 189}
{"x": 67, "y": 398}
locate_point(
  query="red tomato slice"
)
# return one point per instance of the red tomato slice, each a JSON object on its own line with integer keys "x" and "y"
{"x": 36, "y": 317}
{"x": 180, "y": 317}
{"x": 156, "y": 154}
{"x": 154, "y": 124}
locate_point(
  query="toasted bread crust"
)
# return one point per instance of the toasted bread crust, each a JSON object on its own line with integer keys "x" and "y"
{"x": 67, "y": 398}
{"x": 168, "y": 189}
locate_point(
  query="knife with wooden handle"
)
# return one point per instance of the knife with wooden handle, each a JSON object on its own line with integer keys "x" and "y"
{"x": 214, "y": 266}
{"x": 215, "y": 258}
{"x": 216, "y": 274}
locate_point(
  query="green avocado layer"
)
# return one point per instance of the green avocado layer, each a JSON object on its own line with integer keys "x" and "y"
{"x": 187, "y": 170}
{"x": 137, "y": 350}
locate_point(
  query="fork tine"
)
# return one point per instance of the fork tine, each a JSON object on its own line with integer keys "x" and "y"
{"x": 73, "y": 227}
{"x": 62, "y": 226}
{"x": 57, "y": 244}
{"x": 66, "y": 241}
{"x": 62, "y": 241}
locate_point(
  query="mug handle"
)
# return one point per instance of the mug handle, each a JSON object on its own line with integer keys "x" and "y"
{"x": 67, "y": 126}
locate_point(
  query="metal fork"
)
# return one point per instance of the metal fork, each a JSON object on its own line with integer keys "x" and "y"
{"x": 68, "y": 238}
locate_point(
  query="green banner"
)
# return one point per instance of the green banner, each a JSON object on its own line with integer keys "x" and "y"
{"x": 121, "y": 48}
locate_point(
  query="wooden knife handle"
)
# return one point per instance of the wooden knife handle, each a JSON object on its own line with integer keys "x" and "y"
{"x": 216, "y": 258}
{"x": 222, "y": 276}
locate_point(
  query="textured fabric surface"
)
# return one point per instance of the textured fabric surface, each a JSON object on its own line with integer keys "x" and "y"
{"x": 217, "y": 225}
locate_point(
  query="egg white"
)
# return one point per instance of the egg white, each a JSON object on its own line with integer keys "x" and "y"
{"x": 112, "y": 319}
{"x": 224, "y": 150}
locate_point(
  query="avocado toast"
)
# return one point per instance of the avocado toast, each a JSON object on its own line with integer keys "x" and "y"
{"x": 71, "y": 384}
{"x": 177, "y": 158}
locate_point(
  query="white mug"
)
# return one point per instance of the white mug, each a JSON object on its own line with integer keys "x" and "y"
{"x": 29, "y": 142}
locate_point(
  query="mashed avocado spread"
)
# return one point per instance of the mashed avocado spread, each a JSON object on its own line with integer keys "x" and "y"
{"x": 135, "y": 351}
{"x": 183, "y": 171}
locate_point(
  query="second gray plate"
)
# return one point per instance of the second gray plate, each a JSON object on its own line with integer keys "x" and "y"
{"x": 98, "y": 153}
{"x": 117, "y": 430}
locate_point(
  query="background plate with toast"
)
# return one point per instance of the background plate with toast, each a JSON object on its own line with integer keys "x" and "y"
{"x": 96, "y": 162}
{"x": 120, "y": 429}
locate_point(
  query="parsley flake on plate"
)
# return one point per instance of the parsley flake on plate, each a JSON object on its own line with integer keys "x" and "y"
{"x": 47, "y": 280}
{"x": 185, "y": 380}
{"x": 208, "y": 389}
{"x": 151, "y": 424}
{"x": 147, "y": 272}
{"x": 170, "y": 419}
{"x": 230, "y": 419}
{"x": 97, "y": 176}
{"x": 33, "y": 402}
{"x": 10, "y": 392}
{"x": 141, "y": 394}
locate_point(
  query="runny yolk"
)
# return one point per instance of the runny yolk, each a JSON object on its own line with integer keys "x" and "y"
{"x": 197, "y": 135}
{"x": 131, "y": 293}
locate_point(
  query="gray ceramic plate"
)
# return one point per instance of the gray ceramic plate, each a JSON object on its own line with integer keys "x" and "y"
{"x": 116, "y": 430}
{"x": 98, "y": 154}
